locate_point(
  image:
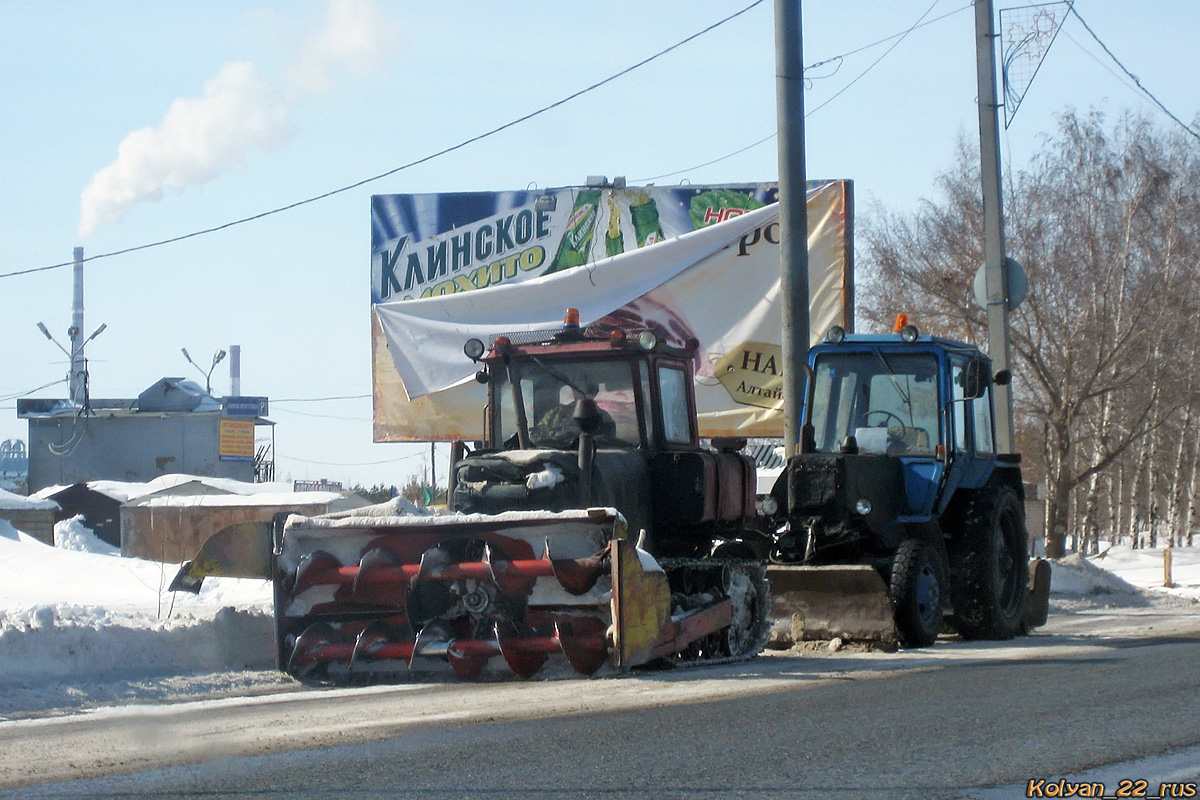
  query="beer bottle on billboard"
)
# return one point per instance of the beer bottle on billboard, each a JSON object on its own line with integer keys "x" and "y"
{"x": 614, "y": 240}
{"x": 646, "y": 226}
{"x": 577, "y": 238}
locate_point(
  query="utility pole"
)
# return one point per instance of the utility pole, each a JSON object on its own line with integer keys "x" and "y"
{"x": 77, "y": 381}
{"x": 995, "y": 264}
{"x": 793, "y": 212}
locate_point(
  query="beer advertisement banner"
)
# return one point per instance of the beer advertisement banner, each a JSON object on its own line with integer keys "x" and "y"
{"x": 713, "y": 273}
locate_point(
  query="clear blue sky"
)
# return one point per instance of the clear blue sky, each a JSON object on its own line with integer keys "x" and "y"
{"x": 77, "y": 78}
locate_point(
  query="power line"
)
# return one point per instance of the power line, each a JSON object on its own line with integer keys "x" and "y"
{"x": 349, "y": 464}
{"x": 322, "y": 399}
{"x": 31, "y": 391}
{"x": 1132, "y": 77}
{"x": 403, "y": 167}
{"x": 899, "y": 38}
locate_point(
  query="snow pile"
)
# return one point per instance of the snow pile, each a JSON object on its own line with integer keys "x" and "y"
{"x": 1076, "y": 575}
{"x": 72, "y": 614}
{"x": 1123, "y": 570}
{"x": 73, "y": 535}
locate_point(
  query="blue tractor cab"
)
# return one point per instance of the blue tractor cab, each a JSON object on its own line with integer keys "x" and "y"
{"x": 898, "y": 481}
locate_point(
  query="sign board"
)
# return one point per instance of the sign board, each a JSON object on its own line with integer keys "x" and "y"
{"x": 316, "y": 486}
{"x": 244, "y": 406}
{"x": 464, "y": 264}
{"x": 235, "y": 440}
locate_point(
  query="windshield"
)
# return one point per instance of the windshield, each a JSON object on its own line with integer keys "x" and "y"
{"x": 550, "y": 391}
{"x": 887, "y": 401}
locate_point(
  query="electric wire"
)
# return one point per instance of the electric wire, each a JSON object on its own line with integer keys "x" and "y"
{"x": 279, "y": 457}
{"x": 899, "y": 37}
{"x": 1132, "y": 77}
{"x": 409, "y": 165}
{"x": 8, "y": 397}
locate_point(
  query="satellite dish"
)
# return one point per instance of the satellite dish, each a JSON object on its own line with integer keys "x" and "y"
{"x": 1018, "y": 285}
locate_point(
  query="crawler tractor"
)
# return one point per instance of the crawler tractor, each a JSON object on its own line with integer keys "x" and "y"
{"x": 898, "y": 510}
{"x": 588, "y": 529}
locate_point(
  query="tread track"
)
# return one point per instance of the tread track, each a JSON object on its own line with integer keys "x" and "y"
{"x": 707, "y": 572}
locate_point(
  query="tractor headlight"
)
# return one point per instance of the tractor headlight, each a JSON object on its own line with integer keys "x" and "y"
{"x": 863, "y": 507}
{"x": 909, "y": 334}
{"x": 647, "y": 340}
{"x": 474, "y": 349}
{"x": 836, "y": 334}
{"x": 770, "y": 506}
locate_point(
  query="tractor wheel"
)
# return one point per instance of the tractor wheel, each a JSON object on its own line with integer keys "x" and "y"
{"x": 989, "y": 567}
{"x": 918, "y": 590}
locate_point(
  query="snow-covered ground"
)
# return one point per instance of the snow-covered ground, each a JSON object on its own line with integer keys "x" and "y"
{"x": 80, "y": 626}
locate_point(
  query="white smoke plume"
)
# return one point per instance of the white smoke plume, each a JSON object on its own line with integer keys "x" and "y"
{"x": 201, "y": 138}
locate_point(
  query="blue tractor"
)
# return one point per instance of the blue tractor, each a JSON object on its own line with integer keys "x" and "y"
{"x": 898, "y": 516}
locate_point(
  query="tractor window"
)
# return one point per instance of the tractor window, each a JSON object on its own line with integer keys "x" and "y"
{"x": 551, "y": 391}
{"x": 982, "y": 410}
{"x": 644, "y": 377}
{"x": 887, "y": 401}
{"x": 959, "y": 406}
{"x": 672, "y": 388}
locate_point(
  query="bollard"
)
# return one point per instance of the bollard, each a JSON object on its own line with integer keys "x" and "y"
{"x": 1167, "y": 582}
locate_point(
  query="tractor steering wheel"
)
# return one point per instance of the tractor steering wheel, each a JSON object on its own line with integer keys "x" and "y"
{"x": 887, "y": 414}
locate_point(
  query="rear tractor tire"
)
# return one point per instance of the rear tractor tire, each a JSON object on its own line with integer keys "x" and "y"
{"x": 918, "y": 591}
{"x": 989, "y": 567}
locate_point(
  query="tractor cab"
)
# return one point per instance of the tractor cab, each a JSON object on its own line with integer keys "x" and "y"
{"x": 923, "y": 401}
{"x": 603, "y": 416}
{"x": 882, "y": 413}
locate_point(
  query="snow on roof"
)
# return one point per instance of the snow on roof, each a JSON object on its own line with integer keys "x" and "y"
{"x": 288, "y": 499}
{"x": 10, "y": 501}
{"x": 124, "y": 491}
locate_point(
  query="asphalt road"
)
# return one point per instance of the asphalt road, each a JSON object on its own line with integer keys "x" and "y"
{"x": 771, "y": 728}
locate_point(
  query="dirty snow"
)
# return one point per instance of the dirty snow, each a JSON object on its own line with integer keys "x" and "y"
{"x": 82, "y": 627}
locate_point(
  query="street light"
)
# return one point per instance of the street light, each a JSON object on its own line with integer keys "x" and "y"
{"x": 218, "y": 357}
{"x": 78, "y": 384}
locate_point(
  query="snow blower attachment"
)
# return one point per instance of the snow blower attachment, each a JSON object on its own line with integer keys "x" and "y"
{"x": 362, "y": 597}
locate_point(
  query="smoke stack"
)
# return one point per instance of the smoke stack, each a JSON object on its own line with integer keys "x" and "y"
{"x": 235, "y": 370}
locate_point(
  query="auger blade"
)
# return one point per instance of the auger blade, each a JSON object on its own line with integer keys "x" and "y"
{"x": 370, "y": 641}
{"x": 525, "y": 662}
{"x": 313, "y": 568}
{"x": 466, "y": 665}
{"x": 584, "y": 641}
{"x": 427, "y": 598}
{"x": 319, "y": 644}
{"x": 576, "y": 575}
{"x": 372, "y": 561}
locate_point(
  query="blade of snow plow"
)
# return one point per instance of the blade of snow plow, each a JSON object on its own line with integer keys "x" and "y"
{"x": 239, "y": 551}
{"x": 826, "y": 602}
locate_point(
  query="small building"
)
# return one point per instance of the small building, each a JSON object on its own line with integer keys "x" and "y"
{"x": 169, "y": 525}
{"x": 29, "y": 515}
{"x": 98, "y": 502}
{"x": 174, "y": 426}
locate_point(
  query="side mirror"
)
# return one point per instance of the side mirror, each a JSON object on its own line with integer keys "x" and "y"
{"x": 975, "y": 380}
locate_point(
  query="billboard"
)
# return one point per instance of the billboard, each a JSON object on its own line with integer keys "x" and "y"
{"x": 448, "y": 266}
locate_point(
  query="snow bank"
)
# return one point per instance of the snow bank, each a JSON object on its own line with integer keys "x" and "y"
{"x": 80, "y": 612}
{"x": 1123, "y": 570}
